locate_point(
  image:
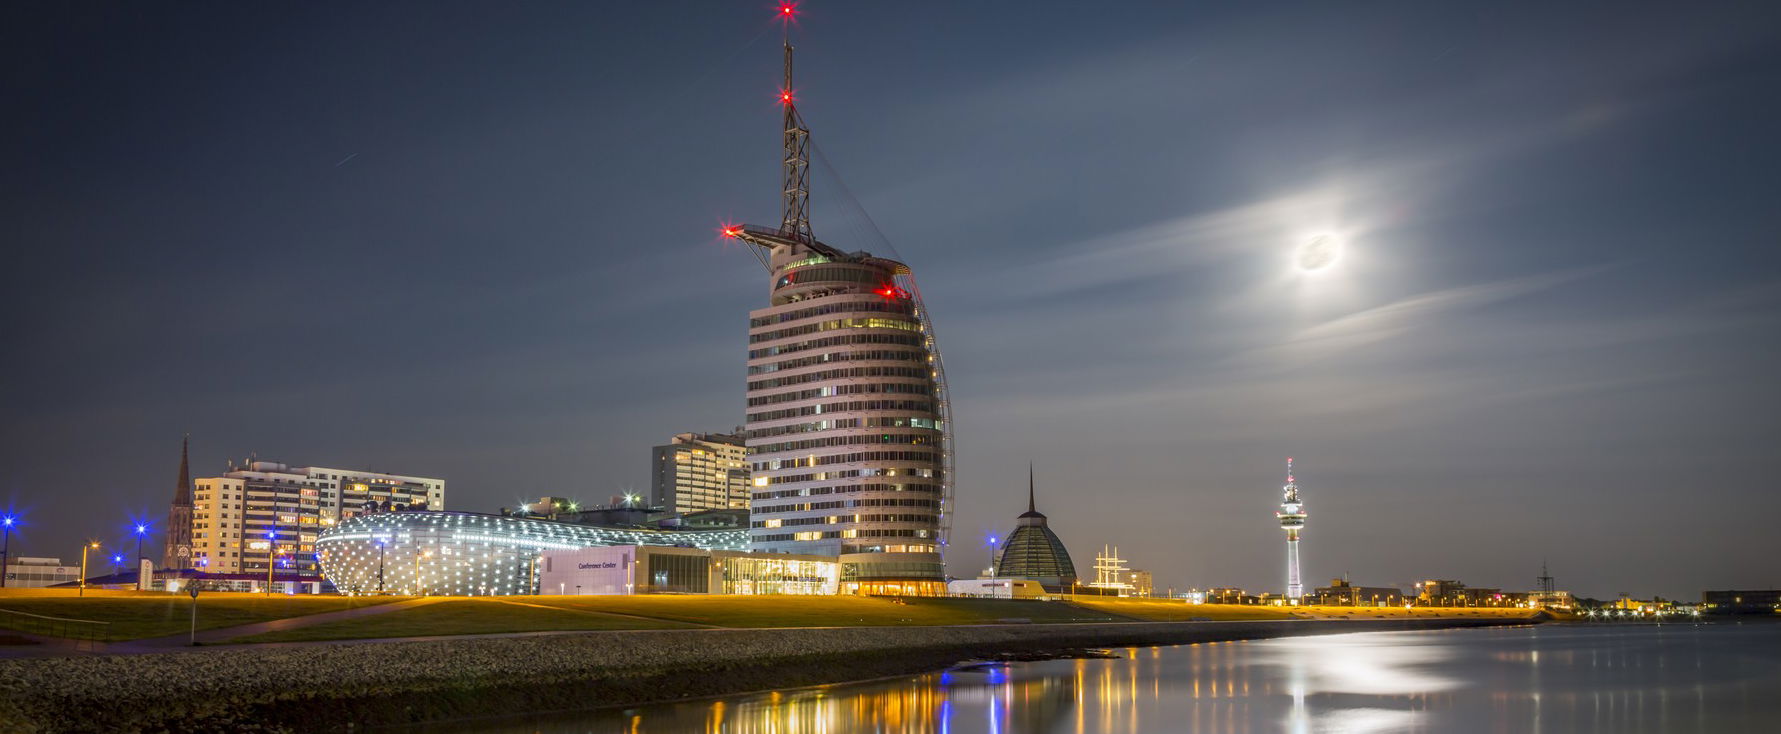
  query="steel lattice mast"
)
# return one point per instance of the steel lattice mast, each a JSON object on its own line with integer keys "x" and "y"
{"x": 795, "y": 209}
{"x": 1292, "y": 519}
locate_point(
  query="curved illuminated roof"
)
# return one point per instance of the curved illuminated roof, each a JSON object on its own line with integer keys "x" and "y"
{"x": 468, "y": 553}
{"x": 525, "y": 532}
{"x": 1034, "y": 552}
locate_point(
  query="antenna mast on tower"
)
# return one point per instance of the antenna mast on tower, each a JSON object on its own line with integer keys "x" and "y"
{"x": 795, "y": 209}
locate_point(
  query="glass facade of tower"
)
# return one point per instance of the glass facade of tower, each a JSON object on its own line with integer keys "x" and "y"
{"x": 846, "y": 429}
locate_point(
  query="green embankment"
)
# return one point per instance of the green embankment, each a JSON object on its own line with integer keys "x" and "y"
{"x": 136, "y": 615}
{"x": 133, "y": 615}
{"x": 568, "y": 613}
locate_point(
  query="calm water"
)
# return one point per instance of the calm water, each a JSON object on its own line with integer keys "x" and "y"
{"x": 1555, "y": 678}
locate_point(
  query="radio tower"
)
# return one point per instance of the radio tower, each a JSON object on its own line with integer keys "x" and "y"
{"x": 1292, "y": 519}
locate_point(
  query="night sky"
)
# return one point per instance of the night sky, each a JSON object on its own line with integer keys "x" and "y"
{"x": 478, "y": 241}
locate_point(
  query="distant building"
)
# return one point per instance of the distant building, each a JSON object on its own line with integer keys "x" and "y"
{"x": 700, "y": 471}
{"x": 1452, "y": 593}
{"x": 177, "y": 551}
{"x": 1142, "y": 583}
{"x": 1228, "y": 595}
{"x": 996, "y": 588}
{"x": 24, "y": 572}
{"x": 1734, "y": 601}
{"x": 266, "y": 513}
{"x": 1342, "y": 593}
{"x": 1034, "y": 552}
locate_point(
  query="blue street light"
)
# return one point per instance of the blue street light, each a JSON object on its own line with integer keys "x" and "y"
{"x": 141, "y": 532}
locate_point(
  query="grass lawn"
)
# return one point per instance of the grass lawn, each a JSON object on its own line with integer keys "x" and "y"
{"x": 463, "y": 617}
{"x": 1156, "y": 610}
{"x": 134, "y": 614}
{"x": 830, "y": 611}
{"x": 1415, "y": 613}
{"x": 1175, "y": 611}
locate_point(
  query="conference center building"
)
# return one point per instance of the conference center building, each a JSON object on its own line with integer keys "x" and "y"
{"x": 474, "y": 554}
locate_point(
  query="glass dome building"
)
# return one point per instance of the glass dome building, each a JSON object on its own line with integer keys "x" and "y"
{"x": 472, "y": 554}
{"x": 1034, "y": 552}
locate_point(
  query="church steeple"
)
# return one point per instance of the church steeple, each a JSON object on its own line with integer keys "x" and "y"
{"x": 177, "y": 552}
{"x": 182, "y": 495}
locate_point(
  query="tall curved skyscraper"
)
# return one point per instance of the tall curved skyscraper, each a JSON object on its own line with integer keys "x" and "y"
{"x": 847, "y": 413}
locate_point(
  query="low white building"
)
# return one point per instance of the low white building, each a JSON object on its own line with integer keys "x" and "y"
{"x": 633, "y": 569}
{"x": 25, "y": 572}
{"x": 996, "y": 588}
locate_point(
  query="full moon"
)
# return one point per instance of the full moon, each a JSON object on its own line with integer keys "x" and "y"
{"x": 1318, "y": 253}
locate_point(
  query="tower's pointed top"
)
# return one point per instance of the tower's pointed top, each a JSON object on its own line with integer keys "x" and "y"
{"x": 182, "y": 495}
{"x": 1032, "y": 516}
{"x": 1291, "y": 490}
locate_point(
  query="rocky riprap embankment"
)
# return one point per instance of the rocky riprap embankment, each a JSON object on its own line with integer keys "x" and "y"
{"x": 327, "y": 687}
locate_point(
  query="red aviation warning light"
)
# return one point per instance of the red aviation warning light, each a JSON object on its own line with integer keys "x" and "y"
{"x": 788, "y": 11}
{"x": 785, "y": 96}
{"x": 730, "y": 231}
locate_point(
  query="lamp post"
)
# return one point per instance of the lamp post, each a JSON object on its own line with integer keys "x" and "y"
{"x": 382, "y": 545}
{"x": 992, "y": 556}
{"x": 141, "y": 532}
{"x": 6, "y": 524}
{"x": 419, "y": 590}
{"x": 271, "y": 557}
{"x": 83, "y": 566}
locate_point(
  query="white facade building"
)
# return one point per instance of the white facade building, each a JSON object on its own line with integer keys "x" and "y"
{"x": 25, "y": 572}
{"x": 267, "y": 512}
{"x": 630, "y": 569}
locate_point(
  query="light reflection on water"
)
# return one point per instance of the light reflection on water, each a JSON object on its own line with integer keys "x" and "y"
{"x": 1551, "y": 679}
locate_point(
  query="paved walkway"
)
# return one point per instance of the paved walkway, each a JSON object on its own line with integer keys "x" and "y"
{"x": 60, "y": 647}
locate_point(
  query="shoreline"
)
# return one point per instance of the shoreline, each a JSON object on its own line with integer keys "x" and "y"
{"x": 392, "y": 684}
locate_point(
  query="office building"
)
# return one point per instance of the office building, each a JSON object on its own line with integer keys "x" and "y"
{"x": 847, "y": 411}
{"x": 264, "y": 512}
{"x": 700, "y": 471}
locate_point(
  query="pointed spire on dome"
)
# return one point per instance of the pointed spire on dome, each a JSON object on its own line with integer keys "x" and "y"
{"x": 1032, "y": 506}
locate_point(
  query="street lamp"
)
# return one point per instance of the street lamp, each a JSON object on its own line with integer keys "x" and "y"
{"x": 418, "y": 589}
{"x": 83, "y": 566}
{"x": 382, "y": 545}
{"x": 141, "y": 532}
{"x": 6, "y": 524}
{"x": 271, "y": 557}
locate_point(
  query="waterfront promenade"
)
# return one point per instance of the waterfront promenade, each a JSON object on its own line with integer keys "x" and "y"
{"x": 321, "y": 686}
